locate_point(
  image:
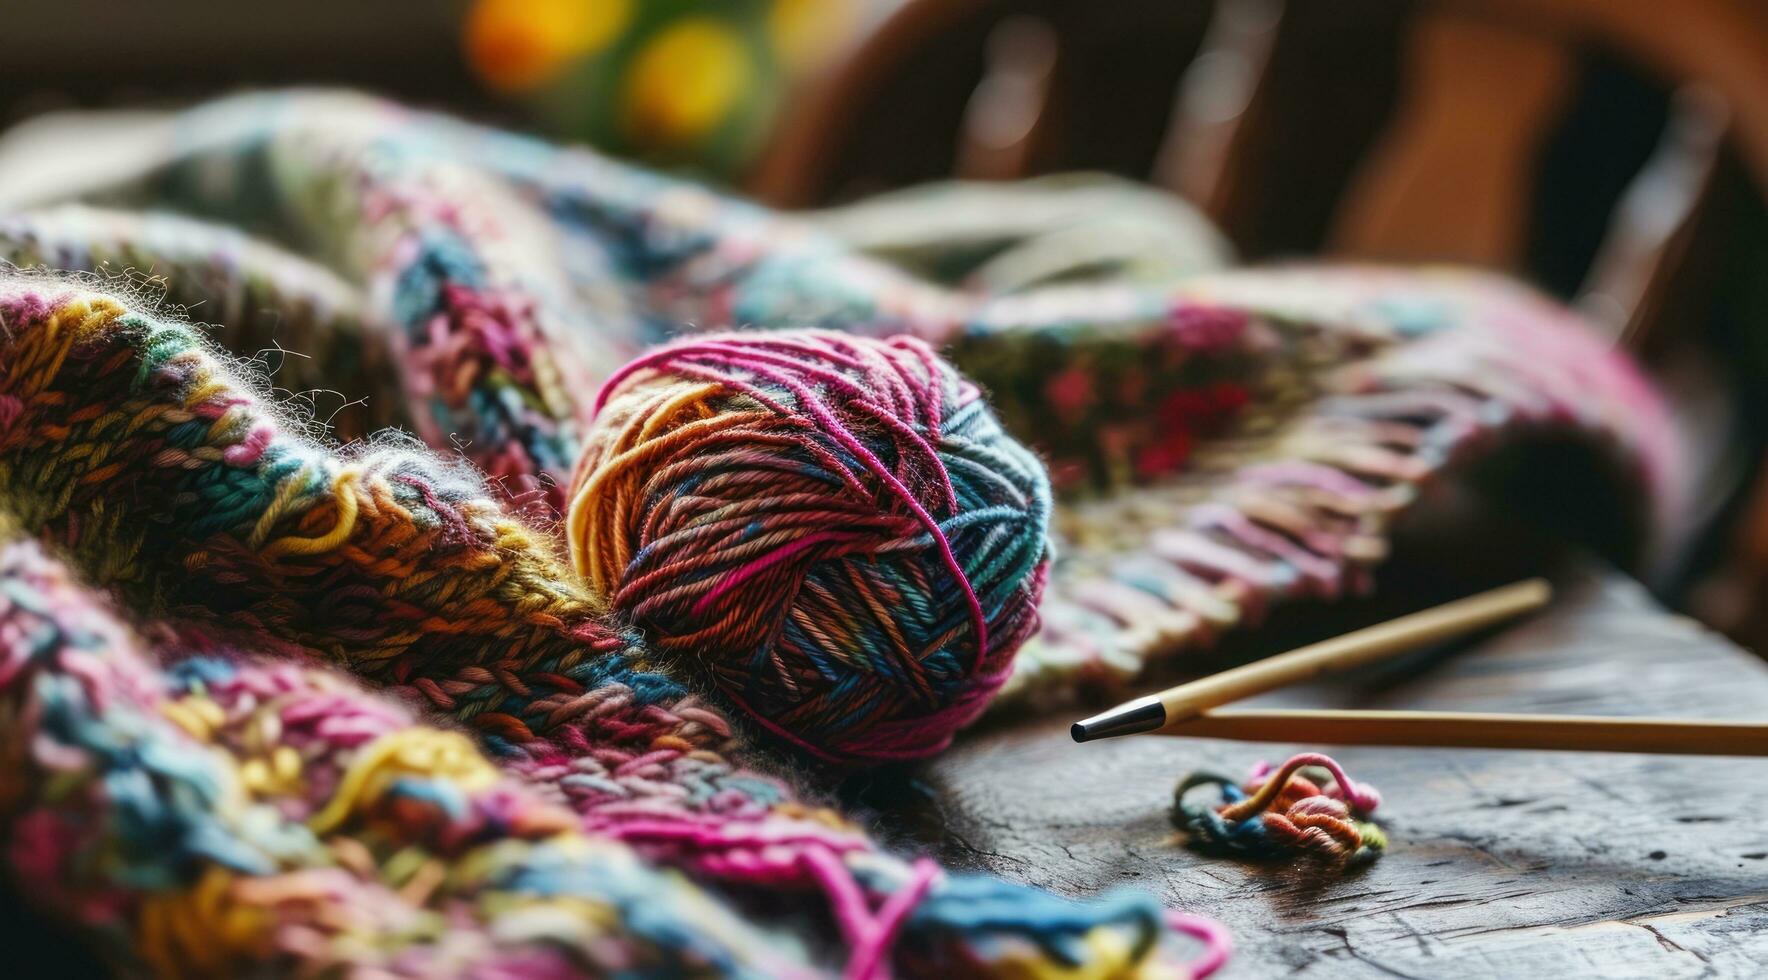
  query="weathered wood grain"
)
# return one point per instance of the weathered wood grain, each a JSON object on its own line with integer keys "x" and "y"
{"x": 1504, "y": 864}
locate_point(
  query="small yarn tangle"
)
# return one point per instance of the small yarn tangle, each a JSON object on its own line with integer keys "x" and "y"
{"x": 837, "y": 525}
{"x": 1306, "y": 808}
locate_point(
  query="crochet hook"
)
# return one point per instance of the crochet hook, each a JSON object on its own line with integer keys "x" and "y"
{"x": 1172, "y": 707}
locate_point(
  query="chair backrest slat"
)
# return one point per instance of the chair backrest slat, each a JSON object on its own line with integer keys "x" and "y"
{"x": 1648, "y": 231}
{"x": 1215, "y": 100}
{"x": 1006, "y": 120}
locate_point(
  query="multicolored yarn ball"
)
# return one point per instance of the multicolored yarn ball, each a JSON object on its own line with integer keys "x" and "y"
{"x": 1292, "y": 811}
{"x": 837, "y": 526}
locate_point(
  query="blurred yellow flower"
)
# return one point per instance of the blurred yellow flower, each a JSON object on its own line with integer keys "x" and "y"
{"x": 682, "y": 85}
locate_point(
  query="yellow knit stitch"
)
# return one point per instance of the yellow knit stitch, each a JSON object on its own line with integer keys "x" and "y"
{"x": 344, "y": 491}
{"x": 427, "y": 752}
{"x": 197, "y": 715}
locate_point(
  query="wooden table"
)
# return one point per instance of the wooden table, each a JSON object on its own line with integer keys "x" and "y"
{"x": 1503, "y": 864}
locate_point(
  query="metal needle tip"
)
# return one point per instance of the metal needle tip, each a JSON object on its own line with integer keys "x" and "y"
{"x": 1130, "y": 718}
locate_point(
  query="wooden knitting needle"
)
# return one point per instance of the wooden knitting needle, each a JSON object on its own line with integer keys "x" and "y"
{"x": 1162, "y": 712}
{"x": 1576, "y": 733}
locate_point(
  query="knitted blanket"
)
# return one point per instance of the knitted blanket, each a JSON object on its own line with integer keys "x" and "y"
{"x": 212, "y": 794}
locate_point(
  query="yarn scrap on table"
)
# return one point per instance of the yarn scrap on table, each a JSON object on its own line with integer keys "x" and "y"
{"x": 1306, "y": 808}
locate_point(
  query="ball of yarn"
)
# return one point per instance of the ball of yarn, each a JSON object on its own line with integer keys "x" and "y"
{"x": 836, "y": 527}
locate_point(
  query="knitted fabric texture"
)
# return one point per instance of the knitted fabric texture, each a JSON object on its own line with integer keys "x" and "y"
{"x": 290, "y": 319}
{"x": 164, "y": 478}
{"x": 228, "y": 812}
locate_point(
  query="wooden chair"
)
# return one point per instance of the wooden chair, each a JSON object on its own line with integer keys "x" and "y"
{"x": 1425, "y": 149}
{"x": 1614, "y": 152}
